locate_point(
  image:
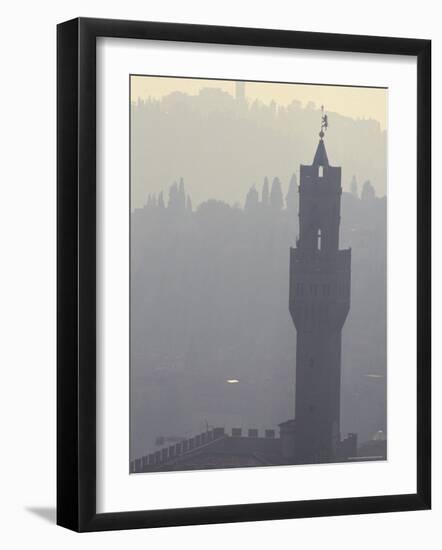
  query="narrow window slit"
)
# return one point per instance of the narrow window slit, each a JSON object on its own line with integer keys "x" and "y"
{"x": 319, "y": 240}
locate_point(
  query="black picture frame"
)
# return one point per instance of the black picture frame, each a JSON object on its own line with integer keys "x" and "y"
{"x": 77, "y": 288}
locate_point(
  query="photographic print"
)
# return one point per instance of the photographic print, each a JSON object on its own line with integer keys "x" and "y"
{"x": 258, "y": 277}
{"x": 226, "y": 259}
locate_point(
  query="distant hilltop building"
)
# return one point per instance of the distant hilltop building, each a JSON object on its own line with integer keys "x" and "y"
{"x": 319, "y": 302}
{"x": 240, "y": 91}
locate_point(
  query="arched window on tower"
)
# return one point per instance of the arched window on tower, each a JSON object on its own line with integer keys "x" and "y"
{"x": 319, "y": 240}
{"x": 321, "y": 172}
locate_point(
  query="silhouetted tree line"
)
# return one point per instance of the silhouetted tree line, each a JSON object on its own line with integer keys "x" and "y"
{"x": 268, "y": 197}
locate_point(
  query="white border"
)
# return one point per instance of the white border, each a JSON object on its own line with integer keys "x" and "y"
{"x": 116, "y": 490}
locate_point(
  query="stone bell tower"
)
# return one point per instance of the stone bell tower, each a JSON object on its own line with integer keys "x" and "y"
{"x": 319, "y": 303}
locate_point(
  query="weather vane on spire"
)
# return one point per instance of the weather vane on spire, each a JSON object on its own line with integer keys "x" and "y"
{"x": 324, "y": 122}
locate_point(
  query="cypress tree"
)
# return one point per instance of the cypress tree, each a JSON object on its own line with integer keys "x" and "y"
{"x": 368, "y": 192}
{"x": 252, "y": 199}
{"x": 265, "y": 196}
{"x": 276, "y": 198}
{"x": 292, "y": 195}
{"x": 173, "y": 203}
{"x": 181, "y": 195}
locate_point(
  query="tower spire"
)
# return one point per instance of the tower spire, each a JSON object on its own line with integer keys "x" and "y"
{"x": 321, "y": 158}
{"x": 324, "y": 122}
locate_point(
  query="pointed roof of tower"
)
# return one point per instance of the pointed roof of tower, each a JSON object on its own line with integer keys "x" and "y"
{"x": 321, "y": 158}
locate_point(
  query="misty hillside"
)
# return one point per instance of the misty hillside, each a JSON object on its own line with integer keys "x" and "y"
{"x": 212, "y": 135}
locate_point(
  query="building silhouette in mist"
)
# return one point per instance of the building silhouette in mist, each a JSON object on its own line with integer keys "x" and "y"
{"x": 319, "y": 304}
{"x": 240, "y": 91}
{"x": 319, "y": 301}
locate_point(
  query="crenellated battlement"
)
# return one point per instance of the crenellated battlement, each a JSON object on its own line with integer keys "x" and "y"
{"x": 216, "y": 440}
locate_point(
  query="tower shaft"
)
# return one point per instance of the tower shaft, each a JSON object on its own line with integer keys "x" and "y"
{"x": 319, "y": 303}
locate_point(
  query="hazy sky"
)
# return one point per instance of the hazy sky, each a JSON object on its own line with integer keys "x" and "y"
{"x": 357, "y": 103}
